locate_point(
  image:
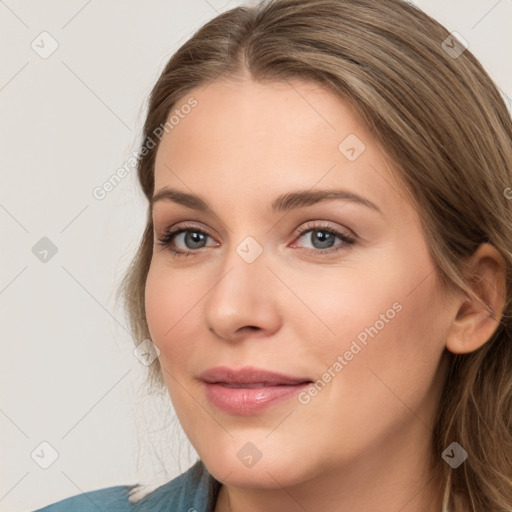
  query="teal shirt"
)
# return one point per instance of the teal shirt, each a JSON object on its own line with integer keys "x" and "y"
{"x": 193, "y": 491}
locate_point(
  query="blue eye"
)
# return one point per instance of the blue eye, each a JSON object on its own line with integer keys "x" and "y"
{"x": 321, "y": 238}
{"x": 193, "y": 239}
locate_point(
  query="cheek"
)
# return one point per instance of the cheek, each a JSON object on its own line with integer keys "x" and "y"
{"x": 172, "y": 309}
{"x": 158, "y": 301}
{"x": 342, "y": 302}
{"x": 171, "y": 315}
{"x": 388, "y": 319}
{"x": 414, "y": 339}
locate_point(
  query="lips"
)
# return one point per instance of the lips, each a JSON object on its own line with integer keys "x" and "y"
{"x": 238, "y": 385}
{"x": 249, "y": 390}
{"x": 249, "y": 377}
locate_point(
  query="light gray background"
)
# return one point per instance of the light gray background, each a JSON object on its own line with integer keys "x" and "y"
{"x": 68, "y": 374}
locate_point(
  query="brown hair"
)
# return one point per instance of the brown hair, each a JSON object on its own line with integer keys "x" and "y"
{"x": 441, "y": 120}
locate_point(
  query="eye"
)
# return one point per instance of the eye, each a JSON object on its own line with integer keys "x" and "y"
{"x": 191, "y": 238}
{"x": 323, "y": 238}
{"x": 187, "y": 240}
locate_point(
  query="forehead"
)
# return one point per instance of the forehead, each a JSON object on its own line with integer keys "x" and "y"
{"x": 246, "y": 137}
{"x": 275, "y": 120}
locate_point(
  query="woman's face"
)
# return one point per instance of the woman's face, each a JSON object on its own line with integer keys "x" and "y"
{"x": 336, "y": 290}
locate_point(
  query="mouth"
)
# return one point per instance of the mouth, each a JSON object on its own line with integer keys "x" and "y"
{"x": 239, "y": 385}
{"x": 249, "y": 390}
{"x": 249, "y": 376}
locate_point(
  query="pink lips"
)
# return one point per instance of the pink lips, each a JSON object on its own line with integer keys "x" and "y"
{"x": 249, "y": 390}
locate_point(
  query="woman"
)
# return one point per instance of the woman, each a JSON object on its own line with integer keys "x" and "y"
{"x": 325, "y": 271}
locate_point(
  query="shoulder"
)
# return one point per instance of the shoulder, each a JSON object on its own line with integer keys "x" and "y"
{"x": 113, "y": 499}
{"x": 194, "y": 490}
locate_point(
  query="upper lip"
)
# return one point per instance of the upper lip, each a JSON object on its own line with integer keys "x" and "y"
{"x": 249, "y": 375}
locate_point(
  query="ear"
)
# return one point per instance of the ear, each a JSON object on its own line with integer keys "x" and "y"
{"x": 478, "y": 314}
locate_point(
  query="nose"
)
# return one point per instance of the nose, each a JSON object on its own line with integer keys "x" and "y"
{"x": 240, "y": 303}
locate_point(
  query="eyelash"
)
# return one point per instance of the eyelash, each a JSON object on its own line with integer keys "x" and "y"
{"x": 168, "y": 237}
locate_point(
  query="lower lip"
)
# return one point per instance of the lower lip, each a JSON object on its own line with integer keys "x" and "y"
{"x": 246, "y": 401}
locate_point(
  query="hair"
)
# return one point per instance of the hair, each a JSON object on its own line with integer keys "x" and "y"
{"x": 442, "y": 122}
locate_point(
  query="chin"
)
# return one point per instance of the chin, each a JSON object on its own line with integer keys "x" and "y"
{"x": 266, "y": 473}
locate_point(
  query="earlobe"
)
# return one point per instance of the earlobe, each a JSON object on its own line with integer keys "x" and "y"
{"x": 478, "y": 314}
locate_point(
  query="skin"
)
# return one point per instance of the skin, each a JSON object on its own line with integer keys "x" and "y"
{"x": 362, "y": 442}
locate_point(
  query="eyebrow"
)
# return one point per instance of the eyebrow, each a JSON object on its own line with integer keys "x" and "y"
{"x": 285, "y": 202}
